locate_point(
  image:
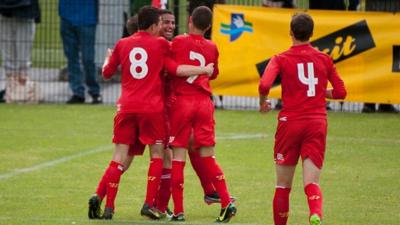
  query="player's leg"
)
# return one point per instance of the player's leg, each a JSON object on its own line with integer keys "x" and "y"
{"x": 108, "y": 185}
{"x": 177, "y": 182}
{"x": 164, "y": 192}
{"x": 288, "y": 139}
{"x": 311, "y": 174}
{"x": 210, "y": 194}
{"x": 312, "y": 153}
{"x": 217, "y": 177}
{"x": 153, "y": 181}
{"x": 284, "y": 178}
{"x": 152, "y": 133}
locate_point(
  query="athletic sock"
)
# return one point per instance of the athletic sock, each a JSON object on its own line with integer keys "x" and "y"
{"x": 164, "y": 193}
{"x": 314, "y": 198}
{"x": 217, "y": 178}
{"x": 153, "y": 180}
{"x": 201, "y": 172}
{"x": 101, "y": 189}
{"x": 113, "y": 175}
{"x": 281, "y": 205}
{"x": 177, "y": 183}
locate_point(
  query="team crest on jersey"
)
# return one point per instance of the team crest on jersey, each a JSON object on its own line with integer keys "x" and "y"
{"x": 237, "y": 26}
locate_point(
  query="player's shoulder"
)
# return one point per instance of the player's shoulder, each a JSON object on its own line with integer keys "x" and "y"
{"x": 181, "y": 38}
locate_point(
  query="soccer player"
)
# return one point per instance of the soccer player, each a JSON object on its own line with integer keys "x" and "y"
{"x": 139, "y": 120}
{"x": 193, "y": 111}
{"x": 302, "y": 125}
{"x": 164, "y": 193}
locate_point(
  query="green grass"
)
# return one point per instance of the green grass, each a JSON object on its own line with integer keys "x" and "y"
{"x": 360, "y": 180}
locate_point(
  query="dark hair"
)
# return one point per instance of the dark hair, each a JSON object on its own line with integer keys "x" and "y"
{"x": 148, "y": 16}
{"x": 166, "y": 11}
{"x": 202, "y": 17}
{"x": 132, "y": 24}
{"x": 302, "y": 26}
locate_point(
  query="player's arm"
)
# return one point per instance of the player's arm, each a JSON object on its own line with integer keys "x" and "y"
{"x": 267, "y": 79}
{"x": 111, "y": 63}
{"x": 187, "y": 70}
{"x": 338, "y": 91}
{"x": 216, "y": 69}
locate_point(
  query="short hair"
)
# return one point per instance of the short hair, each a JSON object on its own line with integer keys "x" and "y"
{"x": 132, "y": 24}
{"x": 202, "y": 17}
{"x": 302, "y": 26}
{"x": 166, "y": 11}
{"x": 148, "y": 16}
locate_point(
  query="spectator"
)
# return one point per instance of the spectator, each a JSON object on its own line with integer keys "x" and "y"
{"x": 78, "y": 33}
{"x": 17, "y": 24}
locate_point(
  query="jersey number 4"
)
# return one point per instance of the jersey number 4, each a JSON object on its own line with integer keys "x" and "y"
{"x": 199, "y": 57}
{"x": 138, "y": 63}
{"x": 310, "y": 81}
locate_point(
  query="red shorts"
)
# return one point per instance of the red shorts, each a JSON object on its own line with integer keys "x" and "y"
{"x": 138, "y": 130}
{"x": 305, "y": 138}
{"x": 192, "y": 114}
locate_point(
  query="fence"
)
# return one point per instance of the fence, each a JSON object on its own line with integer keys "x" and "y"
{"x": 49, "y": 64}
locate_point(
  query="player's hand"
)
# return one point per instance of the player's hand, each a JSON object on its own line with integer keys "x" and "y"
{"x": 210, "y": 69}
{"x": 108, "y": 55}
{"x": 265, "y": 106}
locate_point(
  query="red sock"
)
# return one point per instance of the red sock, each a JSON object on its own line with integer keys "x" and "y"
{"x": 153, "y": 180}
{"x": 281, "y": 205}
{"x": 102, "y": 186}
{"x": 201, "y": 172}
{"x": 113, "y": 175}
{"x": 217, "y": 177}
{"x": 177, "y": 181}
{"x": 164, "y": 193}
{"x": 314, "y": 198}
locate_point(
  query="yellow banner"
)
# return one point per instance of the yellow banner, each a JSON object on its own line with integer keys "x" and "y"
{"x": 364, "y": 46}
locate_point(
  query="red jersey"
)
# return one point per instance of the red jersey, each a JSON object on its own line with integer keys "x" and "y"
{"x": 142, "y": 58}
{"x": 197, "y": 51}
{"x": 305, "y": 73}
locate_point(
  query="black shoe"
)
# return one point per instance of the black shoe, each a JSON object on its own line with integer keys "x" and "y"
{"x": 214, "y": 198}
{"x": 151, "y": 213}
{"x": 2, "y": 95}
{"x": 94, "y": 207}
{"x": 226, "y": 213}
{"x": 387, "y": 108}
{"x": 108, "y": 213}
{"x": 178, "y": 218}
{"x": 97, "y": 99}
{"x": 76, "y": 100}
{"x": 169, "y": 213}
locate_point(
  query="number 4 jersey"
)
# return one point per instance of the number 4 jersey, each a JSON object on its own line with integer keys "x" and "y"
{"x": 191, "y": 49}
{"x": 305, "y": 73}
{"x": 142, "y": 58}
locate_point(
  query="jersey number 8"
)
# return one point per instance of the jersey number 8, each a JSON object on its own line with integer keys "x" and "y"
{"x": 141, "y": 63}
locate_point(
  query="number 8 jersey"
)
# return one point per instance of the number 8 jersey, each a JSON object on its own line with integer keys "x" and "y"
{"x": 142, "y": 58}
{"x": 305, "y": 73}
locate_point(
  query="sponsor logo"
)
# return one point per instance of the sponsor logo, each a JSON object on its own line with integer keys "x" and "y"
{"x": 279, "y": 157}
{"x": 220, "y": 177}
{"x": 151, "y": 178}
{"x": 283, "y": 214}
{"x": 171, "y": 139}
{"x": 237, "y": 26}
{"x": 314, "y": 197}
{"x": 340, "y": 45}
{"x": 284, "y": 119}
{"x": 113, "y": 185}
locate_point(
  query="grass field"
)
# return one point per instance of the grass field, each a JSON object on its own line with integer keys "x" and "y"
{"x": 53, "y": 155}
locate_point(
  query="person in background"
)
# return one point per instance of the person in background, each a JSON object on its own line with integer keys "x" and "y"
{"x": 78, "y": 20}
{"x": 17, "y": 31}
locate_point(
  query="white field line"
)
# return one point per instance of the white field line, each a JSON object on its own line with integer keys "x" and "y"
{"x": 54, "y": 162}
{"x": 74, "y": 221}
{"x": 220, "y": 137}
